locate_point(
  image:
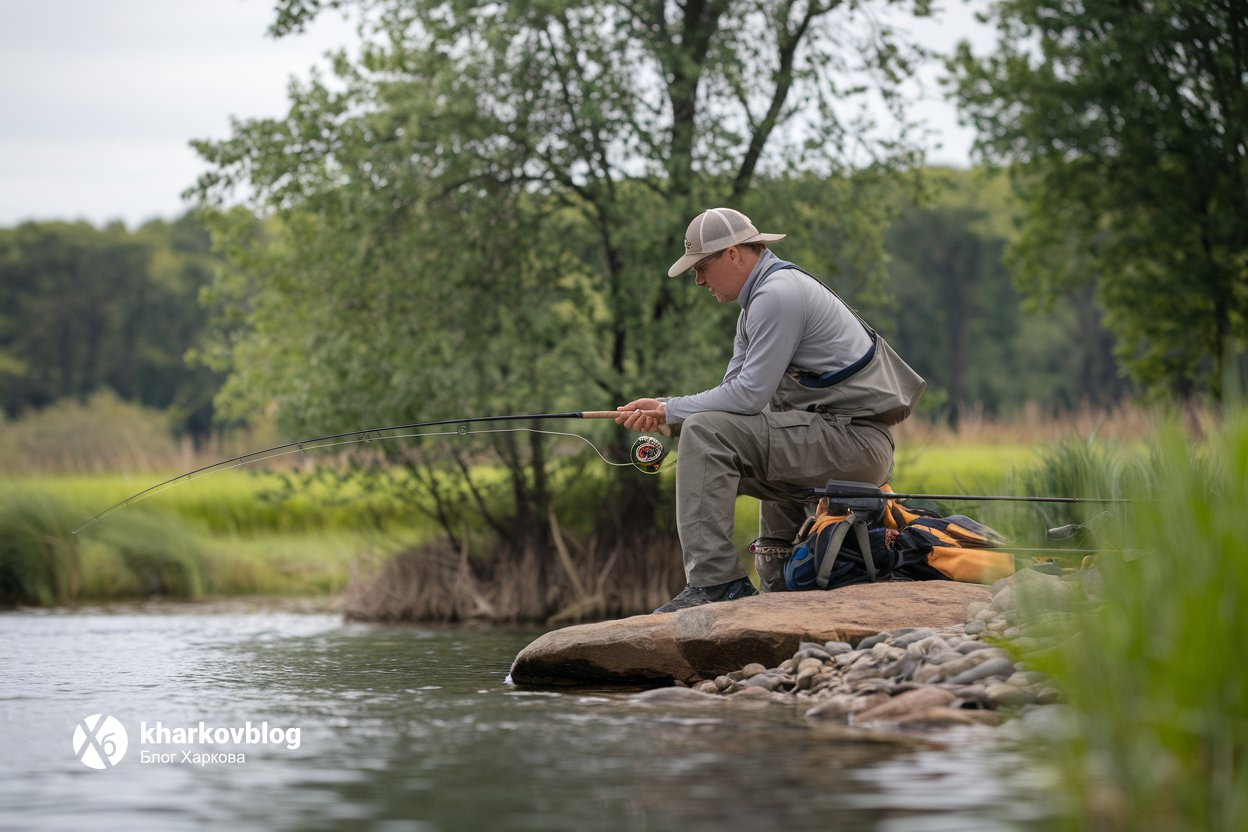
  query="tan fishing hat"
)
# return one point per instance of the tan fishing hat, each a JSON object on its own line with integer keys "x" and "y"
{"x": 716, "y": 230}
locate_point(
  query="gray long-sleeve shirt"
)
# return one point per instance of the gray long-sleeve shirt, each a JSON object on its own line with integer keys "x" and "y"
{"x": 794, "y": 322}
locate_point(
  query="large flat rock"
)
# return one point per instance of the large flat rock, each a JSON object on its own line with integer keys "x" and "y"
{"x": 703, "y": 642}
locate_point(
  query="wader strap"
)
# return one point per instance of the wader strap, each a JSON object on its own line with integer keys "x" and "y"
{"x": 820, "y": 380}
{"x": 830, "y": 552}
{"x": 834, "y": 377}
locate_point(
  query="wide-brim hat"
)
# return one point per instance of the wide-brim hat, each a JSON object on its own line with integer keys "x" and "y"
{"x": 715, "y": 230}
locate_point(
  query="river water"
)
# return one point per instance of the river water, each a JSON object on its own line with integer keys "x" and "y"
{"x": 374, "y": 727}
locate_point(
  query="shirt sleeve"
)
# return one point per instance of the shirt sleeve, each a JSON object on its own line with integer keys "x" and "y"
{"x": 762, "y": 353}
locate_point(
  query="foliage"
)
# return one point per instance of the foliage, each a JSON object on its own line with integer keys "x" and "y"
{"x": 153, "y": 550}
{"x": 962, "y": 325}
{"x": 38, "y": 555}
{"x": 102, "y": 434}
{"x": 85, "y": 309}
{"x": 470, "y": 217}
{"x": 1154, "y": 675}
{"x": 1127, "y": 123}
{"x": 160, "y": 556}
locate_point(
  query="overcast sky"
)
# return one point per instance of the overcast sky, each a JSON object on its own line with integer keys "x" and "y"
{"x": 99, "y": 98}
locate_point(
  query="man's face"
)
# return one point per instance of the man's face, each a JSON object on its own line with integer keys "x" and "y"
{"x": 720, "y": 274}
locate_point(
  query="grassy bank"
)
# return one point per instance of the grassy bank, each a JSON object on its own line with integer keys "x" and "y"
{"x": 143, "y": 552}
{"x": 245, "y": 532}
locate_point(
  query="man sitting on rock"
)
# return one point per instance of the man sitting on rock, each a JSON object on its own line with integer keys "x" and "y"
{"x": 809, "y": 395}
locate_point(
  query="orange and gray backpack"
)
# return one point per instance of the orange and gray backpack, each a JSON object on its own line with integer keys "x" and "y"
{"x": 859, "y": 539}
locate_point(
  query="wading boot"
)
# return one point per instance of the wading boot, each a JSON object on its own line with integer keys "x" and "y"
{"x": 695, "y": 596}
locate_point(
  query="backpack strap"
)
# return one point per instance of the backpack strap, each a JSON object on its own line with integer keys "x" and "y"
{"x": 835, "y": 540}
{"x": 864, "y": 545}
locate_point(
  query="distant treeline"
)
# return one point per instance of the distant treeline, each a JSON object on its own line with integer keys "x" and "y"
{"x": 86, "y": 309}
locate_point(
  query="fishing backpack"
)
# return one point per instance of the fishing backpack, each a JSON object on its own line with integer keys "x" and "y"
{"x": 860, "y": 541}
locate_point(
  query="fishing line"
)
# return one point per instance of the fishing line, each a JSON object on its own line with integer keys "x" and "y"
{"x": 646, "y": 455}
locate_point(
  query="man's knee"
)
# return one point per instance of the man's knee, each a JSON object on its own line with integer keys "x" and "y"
{"x": 714, "y": 423}
{"x": 727, "y": 440}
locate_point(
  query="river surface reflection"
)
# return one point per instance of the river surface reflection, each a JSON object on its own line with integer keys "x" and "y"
{"x": 413, "y": 728}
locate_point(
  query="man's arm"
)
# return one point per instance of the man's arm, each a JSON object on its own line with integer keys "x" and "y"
{"x": 773, "y": 329}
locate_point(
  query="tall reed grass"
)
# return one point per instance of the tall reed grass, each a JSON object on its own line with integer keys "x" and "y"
{"x": 1154, "y": 668}
{"x": 146, "y": 552}
{"x": 39, "y": 561}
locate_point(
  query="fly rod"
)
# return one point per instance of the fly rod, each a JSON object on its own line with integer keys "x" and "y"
{"x": 846, "y": 489}
{"x": 646, "y": 454}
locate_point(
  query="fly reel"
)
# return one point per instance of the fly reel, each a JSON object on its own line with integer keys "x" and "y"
{"x": 647, "y": 454}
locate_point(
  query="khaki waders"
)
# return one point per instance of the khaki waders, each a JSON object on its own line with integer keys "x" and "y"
{"x": 774, "y": 456}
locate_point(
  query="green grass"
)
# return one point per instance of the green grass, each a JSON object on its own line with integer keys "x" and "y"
{"x": 173, "y": 547}
{"x": 231, "y": 502}
{"x": 1152, "y": 665}
{"x": 240, "y": 532}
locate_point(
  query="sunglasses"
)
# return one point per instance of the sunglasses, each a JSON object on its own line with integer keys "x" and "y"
{"x": 701, "y": 264}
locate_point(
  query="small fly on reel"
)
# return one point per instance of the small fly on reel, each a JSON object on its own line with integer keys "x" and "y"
{"x": 647, "y": 454}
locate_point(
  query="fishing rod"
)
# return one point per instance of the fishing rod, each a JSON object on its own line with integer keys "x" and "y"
{"x": 869, "y": 499}
{"x": 842, "y": 490}
{"x": 646, "y": 455}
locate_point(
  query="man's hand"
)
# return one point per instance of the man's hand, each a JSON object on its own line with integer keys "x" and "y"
{"x": 644, "y": 415}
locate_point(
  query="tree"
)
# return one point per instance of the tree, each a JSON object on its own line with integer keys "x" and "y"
{"x": 1128, "y": 126}
{"x": 84, "y": 309}
{"x": 963, "y": 324}
{"x": 475, "y": 213}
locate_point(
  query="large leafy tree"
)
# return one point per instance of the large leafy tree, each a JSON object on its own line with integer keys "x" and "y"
{"x": 474, "y": 214}
{"x": 1128, "y": 123}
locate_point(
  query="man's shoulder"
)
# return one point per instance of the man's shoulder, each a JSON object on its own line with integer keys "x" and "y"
{"x": 789, "y": 281}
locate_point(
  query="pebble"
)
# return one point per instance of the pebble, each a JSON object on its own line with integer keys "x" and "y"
{"x": 917, "y": 677}
{"x": 752, "y": 669}
{"x": 870, "y": 641}
{"x": 811, "y": 650}
{"x": 943, "y": 657}
{"x": 1010, "y": 696}
{"x": 1000, "y": 666}
{"x": 675, "y": 695}
{"x": 908, "y": 636}
{"x": 903, "y": 704}
{"x": 766, "y": 681}
{"x": 809, "y": 664}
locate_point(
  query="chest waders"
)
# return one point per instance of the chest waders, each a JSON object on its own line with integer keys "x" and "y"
{"x": 877, "y": 390}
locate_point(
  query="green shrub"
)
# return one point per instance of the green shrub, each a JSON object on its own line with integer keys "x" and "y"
{"x": 102, "y": 434}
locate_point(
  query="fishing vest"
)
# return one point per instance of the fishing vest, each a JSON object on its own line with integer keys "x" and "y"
{"x": 878, "y": 387}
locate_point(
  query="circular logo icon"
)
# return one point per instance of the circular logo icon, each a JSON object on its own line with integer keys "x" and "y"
{"x": 100, "y": 741}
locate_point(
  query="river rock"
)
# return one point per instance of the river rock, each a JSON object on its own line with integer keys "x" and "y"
{"x": 717, "y": 639}
{"x": 906, "y": 704}
{"x": 676, "y": 696}
{"x": 1010, "y": 696}
{"x": 948, "y": 718}
{"x": 999, "y": 666}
